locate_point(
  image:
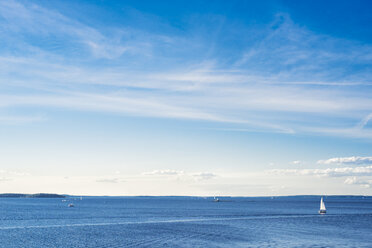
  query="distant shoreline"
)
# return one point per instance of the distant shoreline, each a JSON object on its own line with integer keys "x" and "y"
{"x": 38, "y": 195}
{"x": 52, "y": 195}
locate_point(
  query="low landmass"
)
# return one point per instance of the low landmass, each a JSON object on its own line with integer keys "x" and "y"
{"x": 38, "y": 195}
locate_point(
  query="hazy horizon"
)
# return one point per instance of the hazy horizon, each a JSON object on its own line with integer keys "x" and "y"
{"x": 189, "y": 196}
{"x": 248, "y": 98}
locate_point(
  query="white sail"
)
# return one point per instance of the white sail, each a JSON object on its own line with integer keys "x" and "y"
{"x": 322, "y": 206}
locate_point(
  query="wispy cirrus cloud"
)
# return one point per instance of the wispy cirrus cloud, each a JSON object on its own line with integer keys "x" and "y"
{"x": 296, "y": 52}
{"x": 29, "y": 22}
{"x": 364, "y": 121}
{"x": 20, "y": 119}
{"x": 288, "y": 79}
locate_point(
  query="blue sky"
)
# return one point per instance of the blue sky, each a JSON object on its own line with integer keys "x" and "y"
{"x": 186, "y": 97}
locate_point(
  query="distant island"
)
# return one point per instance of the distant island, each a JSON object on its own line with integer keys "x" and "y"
{"x": 39, "y": 195}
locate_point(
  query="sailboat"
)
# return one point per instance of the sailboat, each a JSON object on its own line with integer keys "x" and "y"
{"x": 322, "y": 209}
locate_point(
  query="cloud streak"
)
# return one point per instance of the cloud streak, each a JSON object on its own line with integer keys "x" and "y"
{"x": 329, "y": 172}
{"x": 18, "y": 119}
{"x": 296, "y": 162}
{"x": 288, "y": 80}
{"x": 109, "y": 180}
{"x": 199, "y": 176}
{"x": 354, "y": 160}
{"x": 164, "y": 173}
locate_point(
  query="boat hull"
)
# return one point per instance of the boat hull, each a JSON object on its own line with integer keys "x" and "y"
{"x": 322, "y": 211}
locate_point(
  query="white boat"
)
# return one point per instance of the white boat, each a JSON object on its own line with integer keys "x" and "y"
{"x": 322, "y": 209}
{"x": 71, "y": 205}
{"x": 215, "y": 199}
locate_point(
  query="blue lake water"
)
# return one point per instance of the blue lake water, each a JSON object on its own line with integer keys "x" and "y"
{"x": 186, "y": 222}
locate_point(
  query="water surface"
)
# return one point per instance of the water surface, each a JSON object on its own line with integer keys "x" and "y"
{"x": 186, "y": 222}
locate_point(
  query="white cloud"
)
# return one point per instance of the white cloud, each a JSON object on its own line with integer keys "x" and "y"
{"x": 296, "y": 162}
{"x": 16, "y": 173}
{"x": 108, "y": 180}
{"x": 199, "y": 176}
{"x": 357, "y": 181}
{"x": 10, "y": 175}
{"x": 204, "y": 175}
{"x": 347, "y": 160}
{"x": 3, "y": 179}
{"x": 329, "y": 172}
{"x": 164, "y": 173}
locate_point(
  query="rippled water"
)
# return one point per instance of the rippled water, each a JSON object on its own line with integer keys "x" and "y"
{"x": 186, "y": 222}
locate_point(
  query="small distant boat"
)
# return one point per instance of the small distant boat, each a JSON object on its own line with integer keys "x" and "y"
{"x": 71, "y": 205}
{"x": 215, "y": 199}
{"x": 322, "y": 209}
